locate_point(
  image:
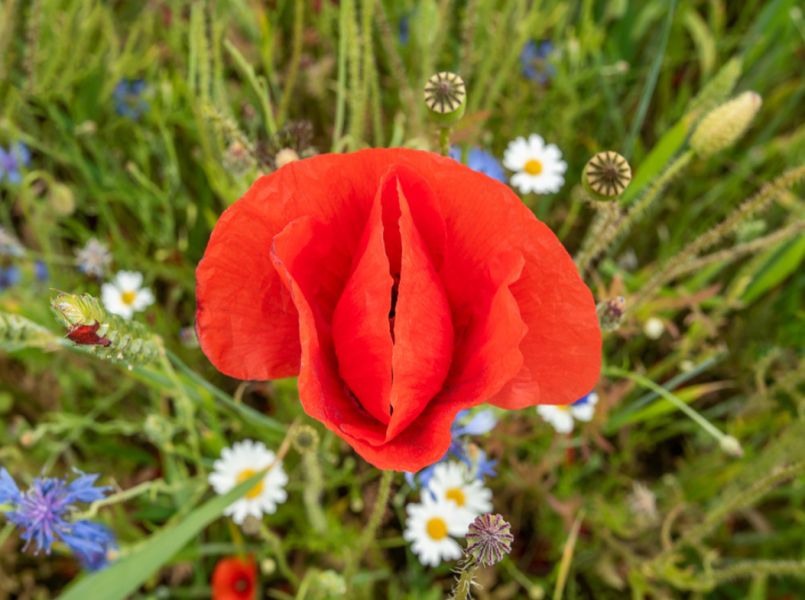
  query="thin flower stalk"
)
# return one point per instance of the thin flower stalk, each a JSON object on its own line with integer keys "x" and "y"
{"x": 714, "y": 235}
{"x": 730, "y": 254}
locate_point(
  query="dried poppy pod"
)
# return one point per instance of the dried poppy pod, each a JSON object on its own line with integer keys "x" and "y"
{"x": 607, "y": 174}
{"x": 446, "y": 97}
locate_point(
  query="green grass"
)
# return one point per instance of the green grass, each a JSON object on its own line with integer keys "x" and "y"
{"x": 626, "y": 78}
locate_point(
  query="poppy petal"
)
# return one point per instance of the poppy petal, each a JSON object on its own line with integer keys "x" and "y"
{"x": 361, "y": 319}
{"x": 423, "y": 331}
{"x": 297, "y": 251}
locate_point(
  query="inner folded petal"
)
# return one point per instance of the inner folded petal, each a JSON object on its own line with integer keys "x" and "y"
{"x": 423, "y": 329}
{"x": 392, "y": 328}
{"x": 361, "y": 329}
{"x": 297, "y": 253}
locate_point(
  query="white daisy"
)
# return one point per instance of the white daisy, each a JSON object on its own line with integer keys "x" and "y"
{"x": 538, "y": 167}
{"x": 125, "y": 295}
{"x": 451, "y": 481}
{"x": 239, "y": 463}
{"x": 562, "y": 418}
{"x": 429, "y": 526}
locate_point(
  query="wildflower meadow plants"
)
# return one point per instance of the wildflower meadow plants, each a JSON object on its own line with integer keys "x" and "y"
{"x": 313, "y": 300}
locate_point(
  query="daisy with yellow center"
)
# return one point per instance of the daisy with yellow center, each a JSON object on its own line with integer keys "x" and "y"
{"x": 125, "y": 294}
{"x": 537, "y": 167}
{"x": 452, "y": 482}
{"x": 241, "y": 462}
{"x": 431, "y": 526}
{"x": 563, "y": 418}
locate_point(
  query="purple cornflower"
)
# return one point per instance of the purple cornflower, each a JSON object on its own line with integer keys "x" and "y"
{"x": 9, "y": 276}
{"x": 481, "y": 161}
{"x": 128, "y": 98}
{"x": 534, "y": 61}
{"x": 42, "y": 513}
{"x": 480, "y": 423}
{"x": 13, "y": 160}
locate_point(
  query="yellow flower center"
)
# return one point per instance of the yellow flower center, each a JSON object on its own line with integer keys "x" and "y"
{"x": 456, "y": 495}
{"x": 533, "y": 167}
{"x": 128, "y": 297}
{"x": 436, "y": 528}
{"x": 256, "y": 490}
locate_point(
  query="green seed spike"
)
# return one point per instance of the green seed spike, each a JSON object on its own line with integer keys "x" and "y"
{"x": 108, "y": 336}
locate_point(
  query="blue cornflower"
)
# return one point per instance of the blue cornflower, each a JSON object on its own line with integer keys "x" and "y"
{"x": 9, "y": 276}
{"x": 128, "y": 98}
{"x": 480, "y": 423}
{"x": 534, "y": 61}
{"x": 13, "y": 160}
{"x": 42, "y": 513}
{"x": 481, "y": 161}
{"x": 405, "y": 29}
{"x": 41, "y": 271}
{"x": 91, "y": 543}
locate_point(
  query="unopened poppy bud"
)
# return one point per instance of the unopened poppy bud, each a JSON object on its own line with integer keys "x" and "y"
{"x": 446, "y": 97}
{"x": 489, "y": 539}
{"x": 725, "y": 124}
{"x": 606, "y": 175}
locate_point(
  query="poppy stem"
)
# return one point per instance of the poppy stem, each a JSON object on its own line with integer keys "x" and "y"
{"x": 444, "y": 140}
{"x": 368, "y": 533}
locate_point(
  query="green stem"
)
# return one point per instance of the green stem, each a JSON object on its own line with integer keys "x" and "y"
{"x": 279, "y": 552}
{"x": 681, "y": 405}
{"x": 296, "y": 56}
{"x": 368, "y": 533}
{"x": 444, "y": 140}
{"x": 341, "y": 85}
{"x": 463, "y": 588}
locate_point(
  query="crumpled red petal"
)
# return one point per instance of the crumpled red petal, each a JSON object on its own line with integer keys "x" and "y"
{"x": 490, "y": 307}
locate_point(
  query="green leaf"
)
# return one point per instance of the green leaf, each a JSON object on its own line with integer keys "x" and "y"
{"x": 124, "y": 577}
{"x": 658, "y": 158}
{"x": 778, "y": 266}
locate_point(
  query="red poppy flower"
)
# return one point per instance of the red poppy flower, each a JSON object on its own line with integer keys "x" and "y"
{"x": 234, "y": 579}
{"x": 401, "y": 287}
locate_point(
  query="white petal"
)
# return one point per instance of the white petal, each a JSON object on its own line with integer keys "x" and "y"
{"x": 523, "y": 182}
{"x": 535, "y": 143}
{"x": 585, "y": 412}
{"x": 129, "y": 280}
{"x": 143, "y": 299}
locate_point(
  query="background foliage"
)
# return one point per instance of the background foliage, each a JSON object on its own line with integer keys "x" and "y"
{"x": 227, "y": 86}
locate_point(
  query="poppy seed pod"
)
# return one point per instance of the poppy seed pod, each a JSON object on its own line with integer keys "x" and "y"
{"x": 446, "y": 97}
{"x": 606, "y": 175}
{"x": 725, "y": 124}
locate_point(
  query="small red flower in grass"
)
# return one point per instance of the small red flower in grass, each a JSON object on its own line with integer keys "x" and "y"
{"x": 234, "y": 579}
{"x": 401, "y": 287}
